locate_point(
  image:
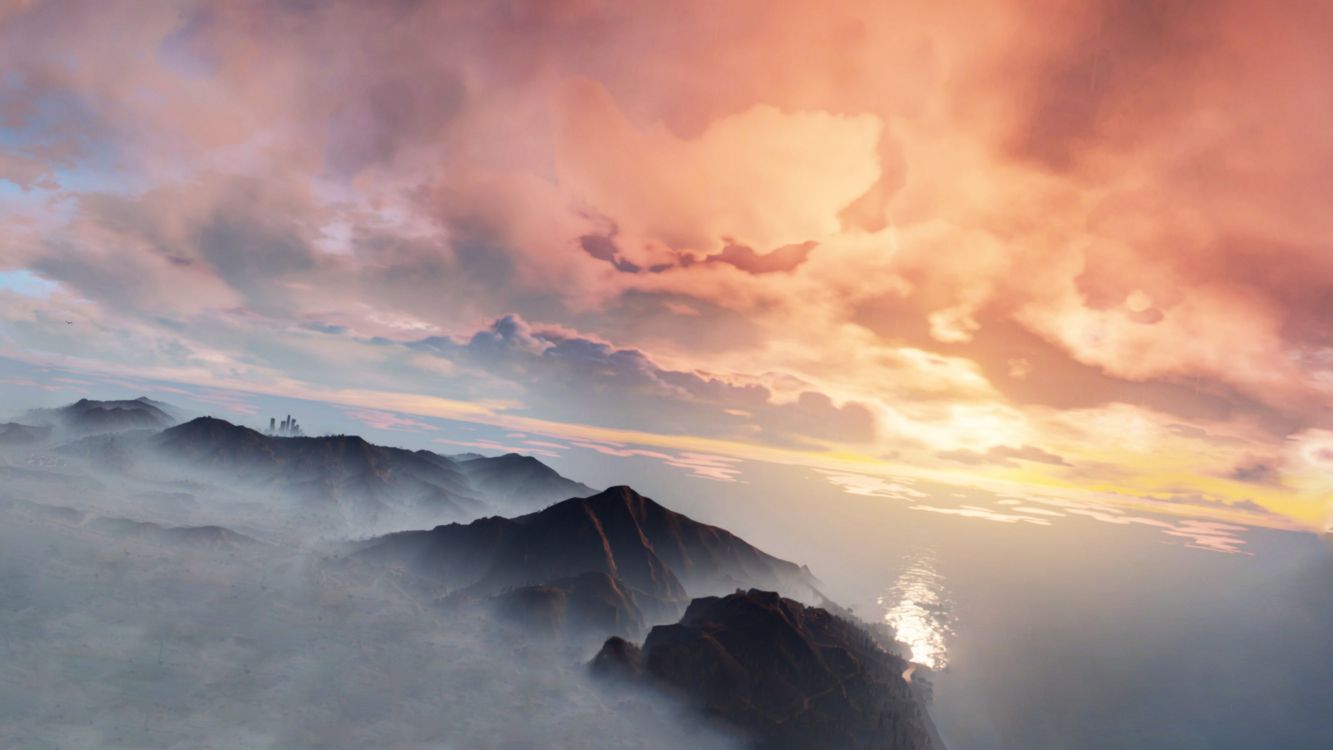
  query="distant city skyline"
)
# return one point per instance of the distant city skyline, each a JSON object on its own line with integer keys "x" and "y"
{"x": 287, "y": 428}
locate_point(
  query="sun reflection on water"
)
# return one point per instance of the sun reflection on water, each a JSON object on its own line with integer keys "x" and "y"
{"x": 916, "y": 608}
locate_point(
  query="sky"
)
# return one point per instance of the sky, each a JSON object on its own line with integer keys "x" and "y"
{"x": 1076, "y": 251}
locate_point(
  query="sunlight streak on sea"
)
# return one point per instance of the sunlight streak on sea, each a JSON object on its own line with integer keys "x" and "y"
{"x": 916, "y": 607}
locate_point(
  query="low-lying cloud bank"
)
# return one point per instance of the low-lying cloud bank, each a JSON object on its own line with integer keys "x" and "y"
{"x": 118, "y": 634}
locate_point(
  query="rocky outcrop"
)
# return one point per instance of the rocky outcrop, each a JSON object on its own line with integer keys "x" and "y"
{"x": 784, "y": 675}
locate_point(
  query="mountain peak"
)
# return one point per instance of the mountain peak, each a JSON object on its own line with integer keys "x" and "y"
{"x": 621, "y": 499}
{"x": 517, "y": 459}
{"x": 200, "y": 425}
{"x": 88, "y": 416}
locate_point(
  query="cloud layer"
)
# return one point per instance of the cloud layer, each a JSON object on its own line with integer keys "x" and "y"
{"x": 1086, "y": 248}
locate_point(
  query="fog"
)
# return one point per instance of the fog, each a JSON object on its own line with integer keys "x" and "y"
{"x": 117, "y": 635}
{"x": 1080, "y": 634}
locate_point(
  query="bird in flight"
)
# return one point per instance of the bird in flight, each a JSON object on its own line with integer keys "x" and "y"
{"x": 69, "y": 322}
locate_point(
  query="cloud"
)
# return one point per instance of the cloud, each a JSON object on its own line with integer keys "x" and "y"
{"x": 383, "y": 420}
{"x": 702, "y": 465}
{"x": 497, "y": 447}
{"x": 312, "y": 650}
{"x": 785, "y": 258}
{"x": 761, "y": 176}
{"x": 956, "y": 227}
{"x": 1001, "y": 455}
{"x": 984, "y": 514}
{"x": 870, "y": 486}
{"x": 1257, "y": 472}
{"x": 573, "y": 376}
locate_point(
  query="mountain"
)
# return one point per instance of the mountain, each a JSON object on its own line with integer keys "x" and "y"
{"x": 201, "y": 537}
{"x": 783, "y": 675}
{"x": 87, "y": 417}
{"x": 651, "y": 553}
{"x": 517, "y": 482}
{"x": 337, "y": 468}
{"x": 362, "y": 478}
{"x": 212, "y": 537}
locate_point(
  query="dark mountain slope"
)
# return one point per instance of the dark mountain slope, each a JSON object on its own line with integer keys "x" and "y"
{"x": 495, "y": 554}
{"x": 617, "y": 533}
{"x": 585, "y": 604}
{"x": 786, "y": 676}
{"x": 705, "y": 558}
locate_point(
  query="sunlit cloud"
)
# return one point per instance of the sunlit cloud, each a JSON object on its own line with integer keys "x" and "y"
{"x": 29, "y": 383}
{"x": 985, "y": 514}
{"x": 869, "y": 486}
{"x": 933, "y": 240}
{"x": 702, "y": 465}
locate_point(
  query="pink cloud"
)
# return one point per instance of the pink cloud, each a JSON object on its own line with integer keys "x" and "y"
{"x": 705, "y": 466}
{"x": 958, "y": 219}
{"x": 383, "y": 420}
{"x": 491, "y": 445}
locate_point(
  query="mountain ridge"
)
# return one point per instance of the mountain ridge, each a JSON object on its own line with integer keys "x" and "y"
{"x": 616, "y": 532}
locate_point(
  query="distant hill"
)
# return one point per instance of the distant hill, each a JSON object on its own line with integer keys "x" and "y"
{"x": 112, "y": 434}
{"x": 210, "y": 537}
{"x": 782, "y": 675}
{"x": 517, "y": 482}
{"x": 87, "y": 417}
{"x": 15, "y": 434}
{"x": 339, "y": 468}
{"x": 359, "y": 475}
{"x": 203, "y": 537}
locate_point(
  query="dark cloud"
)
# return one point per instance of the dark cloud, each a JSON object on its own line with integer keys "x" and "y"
{"x": 578, "y": 378}
{"x": 603, "y": 247}
{"x": 1257, "y": 472}
{"x": 332, "y": 330}
{"x": 785, "y": 258}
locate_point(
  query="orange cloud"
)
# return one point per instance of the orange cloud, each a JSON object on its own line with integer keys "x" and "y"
{"x": 983, "y": 230}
